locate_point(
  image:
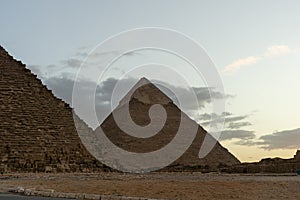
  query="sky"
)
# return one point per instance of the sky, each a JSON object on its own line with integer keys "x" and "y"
{"x": 254, "y": 45}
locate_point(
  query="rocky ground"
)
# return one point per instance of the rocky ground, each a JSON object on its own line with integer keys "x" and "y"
{"x": 163, "y": 185}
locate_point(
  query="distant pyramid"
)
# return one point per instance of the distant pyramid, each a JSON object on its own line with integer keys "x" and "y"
{"x": 37, "y": 131}
{"x": 140, "y": 98}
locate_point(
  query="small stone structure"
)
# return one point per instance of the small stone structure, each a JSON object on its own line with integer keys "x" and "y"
{"x": 297, "y": 156}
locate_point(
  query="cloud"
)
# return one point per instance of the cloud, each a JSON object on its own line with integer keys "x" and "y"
{"x": 36, "y": 69}
{"x": 104, "y": 91}
{"x": 62, "y": 87}
{"x": 237, "y": 134}
{"x": 277, "y": 50}
{"x": 286, "y": 139}
{"x": 236, "y": 65}
{"x": 95, "y": 57}
{"x": 81, "y": 54}
{"x": 233, "y": 125}
{"x": 85, "y": 51}
{"x": 238, "y": 125}
{"x": 72, "y": 62}
{"x": 246, "y": 142}
{"x": 42, "y": 71}
{"x": 204, "y": 95}
{"x": 206, "y": 117}
{"x": 231, "y": 121}
{"x": 236, "y": 118}
{"x": 272, "y": 51}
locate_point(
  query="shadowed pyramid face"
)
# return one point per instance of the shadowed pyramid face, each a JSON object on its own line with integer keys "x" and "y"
{"x": 139, "y": 101}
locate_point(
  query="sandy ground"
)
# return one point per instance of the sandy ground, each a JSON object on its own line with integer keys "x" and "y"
{"x": 164, "y": 185}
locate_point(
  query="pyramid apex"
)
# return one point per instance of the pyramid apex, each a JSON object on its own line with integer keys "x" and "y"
{"x": 146, "y": 92}
{"x": 143, "y": 81}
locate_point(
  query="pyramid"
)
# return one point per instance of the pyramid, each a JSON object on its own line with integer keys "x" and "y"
{"x": 140, "y": 98}
{"x": 37, "y": 129}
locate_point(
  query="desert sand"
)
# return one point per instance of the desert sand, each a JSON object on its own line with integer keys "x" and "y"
{"x": 164, "y": 185}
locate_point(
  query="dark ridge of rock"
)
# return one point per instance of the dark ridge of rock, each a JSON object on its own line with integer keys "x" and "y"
{"x": 297, "y": 156}
{"x": 140, "y": 98}
{"x": 268, "y": 165}
{"x": 37, "y": 129}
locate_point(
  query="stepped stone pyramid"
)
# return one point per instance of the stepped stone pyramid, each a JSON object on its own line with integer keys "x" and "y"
{"x": 37, "y": 131}
{"x": 140, "y": 98}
